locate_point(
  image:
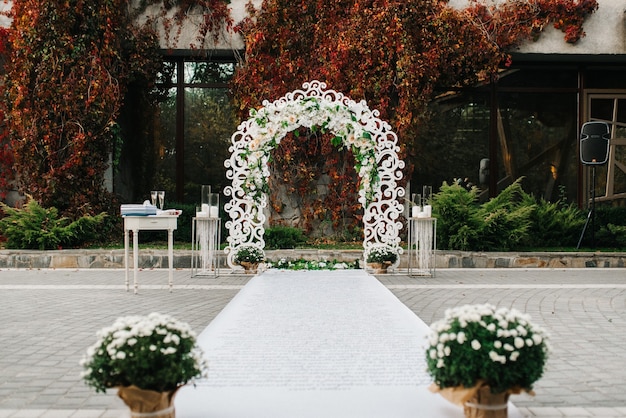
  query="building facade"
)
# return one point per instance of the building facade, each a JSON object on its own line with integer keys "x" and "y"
{"x": 525, "y": 124}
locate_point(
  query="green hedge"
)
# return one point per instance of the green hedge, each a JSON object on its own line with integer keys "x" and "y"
{"x": 279, "y": 237}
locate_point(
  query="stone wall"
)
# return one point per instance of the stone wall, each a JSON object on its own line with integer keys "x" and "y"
{"x": 84, "y": 259}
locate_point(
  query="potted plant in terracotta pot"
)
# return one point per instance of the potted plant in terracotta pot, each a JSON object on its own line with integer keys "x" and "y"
{"x": 249, "y": 257}
{"x": 478, "y": 355}
{"x": 380, "y": 259}
{"x": 147, "y": 358}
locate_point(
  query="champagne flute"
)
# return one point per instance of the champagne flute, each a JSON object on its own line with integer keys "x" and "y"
{"x": 153, "y": 197}
{"x": 161, "y": 195}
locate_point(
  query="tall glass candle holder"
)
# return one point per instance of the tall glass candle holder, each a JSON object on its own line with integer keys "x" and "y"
{"x": 427, "y": 194}
{"x": 214, "y": 205}
{"x": 205, "y": 194}
{"x": 210, "y": 202}
{"x": 416, "y": 198}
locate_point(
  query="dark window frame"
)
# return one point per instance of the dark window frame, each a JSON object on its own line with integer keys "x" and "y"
{"x": 180, "y": 85}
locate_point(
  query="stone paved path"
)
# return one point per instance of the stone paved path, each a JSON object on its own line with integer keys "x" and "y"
{"x": 49, "y": 317}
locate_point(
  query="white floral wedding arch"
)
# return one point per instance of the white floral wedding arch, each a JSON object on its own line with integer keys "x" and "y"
{"x": 355, "y": 126}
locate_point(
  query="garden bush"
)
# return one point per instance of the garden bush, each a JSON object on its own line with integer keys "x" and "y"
{"x": 183, "y": 227}
{"x": 455, "y": 208}
{"x": 512, "y": 220}
{"x": 556, "y": 224}
{"x": 610, "y": 226}
{"x": 281, "y": 237}
{"x": 500, "y": 224}
{"x": 505, "y": 220}
{"x": 39, "y": 228}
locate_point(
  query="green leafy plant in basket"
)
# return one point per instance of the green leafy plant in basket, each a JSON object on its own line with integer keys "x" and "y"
{"x": 147, "y": 358}
{"x": 483, "y": 349}
{"x": 249, "y": 254}
{"x": 381, "y": 258}
{"x": 382, "y": 255}
{"x": 249, "y": 257}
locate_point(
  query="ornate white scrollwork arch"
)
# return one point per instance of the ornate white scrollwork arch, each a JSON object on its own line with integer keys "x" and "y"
{"x": 355, "y": 126}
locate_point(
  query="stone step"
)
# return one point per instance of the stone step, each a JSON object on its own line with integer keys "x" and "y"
{"x": 149, "y": 258}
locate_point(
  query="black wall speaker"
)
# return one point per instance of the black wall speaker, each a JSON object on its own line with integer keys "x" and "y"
{"x": 594, "y": 143}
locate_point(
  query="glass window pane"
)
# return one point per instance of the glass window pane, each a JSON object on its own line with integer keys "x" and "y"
{"x": 208, "y": 72}
{"x": 620, "y": 176}
{"x": 538, "y": 140}
{"x": 606, "y": 79}
{"x": 619, "y": 135}
{"x": 602, "y": 109}
{"x": 620, "y": 131}
{"x": 209, "y": 123}
{"x": 454, "y": 142}
{"x": 621, "y": 111}
{"x": 164, "y": 177}
{"x": 539, "y": 78}
{"x": 167, "y": 75}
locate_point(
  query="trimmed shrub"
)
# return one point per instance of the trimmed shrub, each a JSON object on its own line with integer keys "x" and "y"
{"x": 279, "y": 237}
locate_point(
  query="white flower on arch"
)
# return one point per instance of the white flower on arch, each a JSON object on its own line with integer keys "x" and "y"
{"x": 269, "y": 125}
{"x": 354, "y": 127}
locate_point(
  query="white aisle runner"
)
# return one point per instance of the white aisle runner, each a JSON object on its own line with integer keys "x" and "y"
{"x": 315, "y": 344}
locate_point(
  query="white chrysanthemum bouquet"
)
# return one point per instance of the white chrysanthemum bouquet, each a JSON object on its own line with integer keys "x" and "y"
{"x": 249, "y": 254}
{"x": 381, "y": 255}
{"x": 477, "y": 345}
{"x": 154, "y": 352}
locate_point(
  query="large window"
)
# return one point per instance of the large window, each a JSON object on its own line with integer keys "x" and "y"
{"x": 194, "y": 128}
{"x": 537, "y": 130}
{"x": 609, "y": 107}
{"x": 524, "y": 125}
{"x": 454, "y": 142}
{"x": 537, "y": 140}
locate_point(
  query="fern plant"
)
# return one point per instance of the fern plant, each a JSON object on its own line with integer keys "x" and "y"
{"x": 36, "y": 227}
{"x": 506, "y": 219}
{"x": 500, "y": 224}
{"x": 457, "y": 224}
{"x": 504, "y": 229}
{"x": 556, "y": 224}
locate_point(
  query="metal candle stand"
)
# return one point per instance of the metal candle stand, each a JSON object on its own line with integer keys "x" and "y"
{"x": 206, "y": 235}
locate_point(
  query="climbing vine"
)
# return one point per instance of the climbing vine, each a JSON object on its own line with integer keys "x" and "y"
{"x": 63, "y": 94}
{"x": 7, "y": 176}
{"x": 71, "y": 61}
{"x": 299, "y": 163}
{"x": 69, "y": 66}
{"x": 392, "y": 53}
{"x": 507, "y": 24}
{"x": 210, "y": 18}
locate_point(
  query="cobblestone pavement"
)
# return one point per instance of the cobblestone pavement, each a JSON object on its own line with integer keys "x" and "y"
{"x": 49, "y": 318}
